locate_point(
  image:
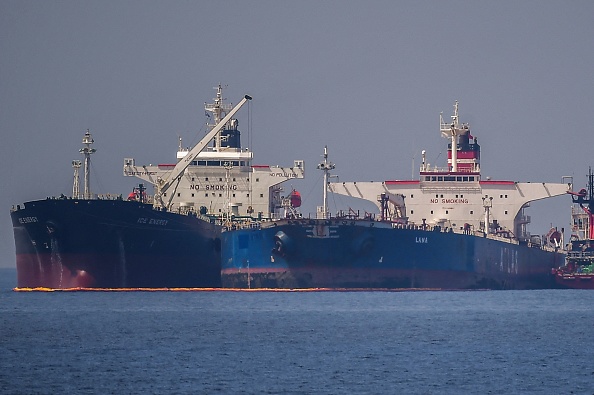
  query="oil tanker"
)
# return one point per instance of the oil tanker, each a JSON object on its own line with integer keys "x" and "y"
{"x": 165, "y": 240}
{"x": 448, "y": 229}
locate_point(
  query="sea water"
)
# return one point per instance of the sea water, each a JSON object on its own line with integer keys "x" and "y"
{"x": 480, "y": 342}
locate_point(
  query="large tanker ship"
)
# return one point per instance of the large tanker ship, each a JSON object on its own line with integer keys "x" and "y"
{"x": 171, "y": 239}
{"x": 456, "y": 231}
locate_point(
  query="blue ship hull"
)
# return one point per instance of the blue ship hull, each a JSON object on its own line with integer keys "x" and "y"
{"x": 369, "y": 254}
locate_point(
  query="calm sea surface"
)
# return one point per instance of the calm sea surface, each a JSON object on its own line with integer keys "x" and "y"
{"x": 480, "y": 342}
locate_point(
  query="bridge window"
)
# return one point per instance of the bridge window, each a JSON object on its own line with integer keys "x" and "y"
{"x": 201, "y": 163}
{"x": 213, "y": 163}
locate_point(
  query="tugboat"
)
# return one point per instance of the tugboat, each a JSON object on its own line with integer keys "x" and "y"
{"x": 456, "y": 231}
{"x": 578, "y": 271}
{"x": 168, "y": 240}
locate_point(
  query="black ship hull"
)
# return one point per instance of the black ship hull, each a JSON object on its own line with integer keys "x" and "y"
{"x": 71, "y": 243}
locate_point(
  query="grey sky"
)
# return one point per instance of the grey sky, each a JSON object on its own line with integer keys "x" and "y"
{"x": 367, "y": 78}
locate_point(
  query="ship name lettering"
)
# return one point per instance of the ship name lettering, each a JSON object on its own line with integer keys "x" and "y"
{"x": 152, "y": 221}
{"x": 28, "y": 220}
{"x": 287, "y": 175}
{"x": 139, "y": 173}
{"x": 422, "y": 240}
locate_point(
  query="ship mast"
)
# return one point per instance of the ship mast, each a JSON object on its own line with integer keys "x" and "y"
{"x": 585, "y": 199}
{"x": 76, "y": 184}
{"x": 587, "y": 204}
{"x": 228, "y": 167}
{"x": 590, "y": 209}
{"x": 219, "y": 111}
{"x": 325, "y": 166}
{"x": 452, "y": 131}
{"x": 86, "y": 150}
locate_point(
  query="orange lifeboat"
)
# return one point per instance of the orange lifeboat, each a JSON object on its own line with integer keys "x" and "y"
{"x": 295, "y": 197}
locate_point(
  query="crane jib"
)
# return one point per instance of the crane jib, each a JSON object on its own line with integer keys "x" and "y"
{"x": 181, "y": 166}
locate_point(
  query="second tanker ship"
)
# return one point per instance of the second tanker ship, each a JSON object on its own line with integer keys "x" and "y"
{"x": 456, "y": 231}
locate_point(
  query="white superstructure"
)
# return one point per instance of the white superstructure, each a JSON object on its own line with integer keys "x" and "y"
{"x": 221, "y": 179}
{"x": 456, "y": 197}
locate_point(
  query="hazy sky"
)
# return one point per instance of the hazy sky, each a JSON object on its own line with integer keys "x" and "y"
{"x": 366, "y": 78}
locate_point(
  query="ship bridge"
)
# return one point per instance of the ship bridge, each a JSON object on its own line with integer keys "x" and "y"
{"x": 220, "y": 179}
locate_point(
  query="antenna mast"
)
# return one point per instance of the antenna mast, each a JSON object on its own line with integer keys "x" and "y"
{"x": 452, "y": 131}
{"x": 326, "y": 166}
{"x": 76, "y": 185}
{"x": 86, "y": 150}
{"x": 219, "y": 110}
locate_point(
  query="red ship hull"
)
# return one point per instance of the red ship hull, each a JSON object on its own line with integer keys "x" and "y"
{"x": 575, "y": 280}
